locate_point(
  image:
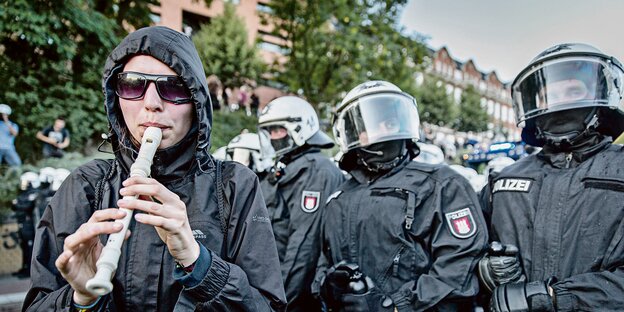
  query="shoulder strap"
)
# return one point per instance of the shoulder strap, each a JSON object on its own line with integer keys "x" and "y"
{"x": 224, "y": 207}
{"x": 101, "y": 183}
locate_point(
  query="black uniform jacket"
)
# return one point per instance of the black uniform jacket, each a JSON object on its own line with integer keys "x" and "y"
{"x": 566, "y": 215}
{"x": 244, "y": 270}
{"x": 429, "y": 264}
{"x": 295, "y": 204}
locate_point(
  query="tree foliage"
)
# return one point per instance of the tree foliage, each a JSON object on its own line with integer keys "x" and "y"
{"x": 472, "y": 116}
{"x": 225, "y": 52}
{"x": 51, "y": 59}
{"x": 336, "y": 44}
{"x": 435, "y": 106}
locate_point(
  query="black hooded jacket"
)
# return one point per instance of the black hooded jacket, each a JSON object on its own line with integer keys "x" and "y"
{"x": 565, "y": 212}
{"x": 244, "y": 272}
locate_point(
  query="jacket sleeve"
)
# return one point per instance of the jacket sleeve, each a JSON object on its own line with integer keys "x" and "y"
{"x": 67, "y": 210}
{"x": 451, "y": 280}
{"x": 303, "y": 248}
{"x": 250, "y": 279}
{"x": 601, "y": 290}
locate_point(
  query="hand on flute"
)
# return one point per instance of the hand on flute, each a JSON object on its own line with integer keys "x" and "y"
{"x": 82, "y": 249}
{"x": 167, "y": 215}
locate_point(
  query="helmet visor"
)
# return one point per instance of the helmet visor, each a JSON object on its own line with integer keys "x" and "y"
{"x": 563, "y": 84}
{"x": 377, "y": 118}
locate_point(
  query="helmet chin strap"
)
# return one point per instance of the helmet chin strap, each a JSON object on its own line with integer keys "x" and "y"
{"x": 571, "y": 138}
{"x": 378, "y": 153}
{"x": 377, "y": 166}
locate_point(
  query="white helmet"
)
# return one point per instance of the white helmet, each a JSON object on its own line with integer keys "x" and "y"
{"x": 29, "y": 178}
{"x": 46, "y": 174}
{"x": 221, "y": 153}
{"x": 374, "y": 112}
{"x": 5, "y": 109}
{"x": 300, "y": 121}
{"x": 497, "y": 165}
{"x": 430, "y": 154}
{"x": 565, "y": 77}
{"x": 59, "y": 176}
{"x": 245, "y": 149}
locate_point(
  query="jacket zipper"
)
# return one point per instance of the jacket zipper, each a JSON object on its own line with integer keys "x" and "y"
{"x": 395, "y": 263}
{"x": 568, "y": 160}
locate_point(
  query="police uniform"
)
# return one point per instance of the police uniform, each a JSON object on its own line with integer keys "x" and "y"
{"x": 295, "y": 202}
{"x": 416, "y": 231}
{"x": 565, "y": 213}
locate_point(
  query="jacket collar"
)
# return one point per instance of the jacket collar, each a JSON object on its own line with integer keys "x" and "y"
{"x": 576, "y": 155}
{"x": 363, "y": 176}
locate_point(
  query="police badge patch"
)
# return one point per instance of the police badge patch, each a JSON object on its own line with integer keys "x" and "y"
{"x": 461, "y": 223}
{"x": 310, "y": 201}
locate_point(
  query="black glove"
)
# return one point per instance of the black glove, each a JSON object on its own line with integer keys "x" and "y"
{"x": 372, "y": 300}
{"x": 500, "y": 266}
{"x": 345, "y": 288}
{"x": 522, "y": 297}
{"x": 336, "y": 284}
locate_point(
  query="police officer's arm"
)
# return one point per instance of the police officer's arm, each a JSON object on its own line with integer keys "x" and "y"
{"x": 69, "y": 208}
{"x": 451, "y": 278}
{"x": 596, "y": 290}
{"x": 252, "y": 281}
{"x": 485, "y": 201}
{"x": 303, "y": 248}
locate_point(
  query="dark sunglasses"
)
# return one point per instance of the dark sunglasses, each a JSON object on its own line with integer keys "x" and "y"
{"x": 171, "y": 88}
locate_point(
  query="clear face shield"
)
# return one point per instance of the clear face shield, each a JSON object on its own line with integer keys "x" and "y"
{"x": 274, "y": 140}
{"x": 566, "y": 83}
{"x": 377, "y": 118}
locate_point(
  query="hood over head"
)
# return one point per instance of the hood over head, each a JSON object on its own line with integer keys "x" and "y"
{"x": 177, "y": 51}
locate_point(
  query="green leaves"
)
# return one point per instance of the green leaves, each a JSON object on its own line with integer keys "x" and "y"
{"x": 334, "y": 45}
{"x": 435, "y": 106}
{"x": 224, "y": 50}
{"x": 472, "y": 116}
{"x": 51, "y": 59}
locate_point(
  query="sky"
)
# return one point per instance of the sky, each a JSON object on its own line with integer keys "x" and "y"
{"x": 505, "y": 35}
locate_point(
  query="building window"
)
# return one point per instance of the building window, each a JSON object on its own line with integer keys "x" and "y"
{"x": 264, "y": 7}
{"x": 458, "y": 75}
{"x": 155, "y": 18}
{"x": 497, "y": 109}
{"x": 512, "y": 116}
{"x": 272, "y": 47}
{"x": 191, "y": 22}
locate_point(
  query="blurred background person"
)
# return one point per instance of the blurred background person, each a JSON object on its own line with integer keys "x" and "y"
{"x": 8, "y": 132}
{"x": 55, "y": 138}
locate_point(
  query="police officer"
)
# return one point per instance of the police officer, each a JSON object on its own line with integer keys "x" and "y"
{"x": 400, "y": 234}
{"x": 296, "y": 191}
{"x": 245, "y": 149}
{"x": 558, "y": 214}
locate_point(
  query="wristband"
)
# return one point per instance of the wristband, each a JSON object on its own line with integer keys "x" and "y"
{"x": 86, "y": 308}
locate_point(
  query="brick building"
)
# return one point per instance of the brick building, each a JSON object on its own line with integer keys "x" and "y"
{"x": 495, "y": 94}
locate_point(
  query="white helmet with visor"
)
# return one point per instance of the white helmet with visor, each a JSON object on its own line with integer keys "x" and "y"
{"x": 298, "y": 118}
{"x": 245, "y": 149}
{"x": 565, "y": 77}
{"x": 375, "y": 112}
